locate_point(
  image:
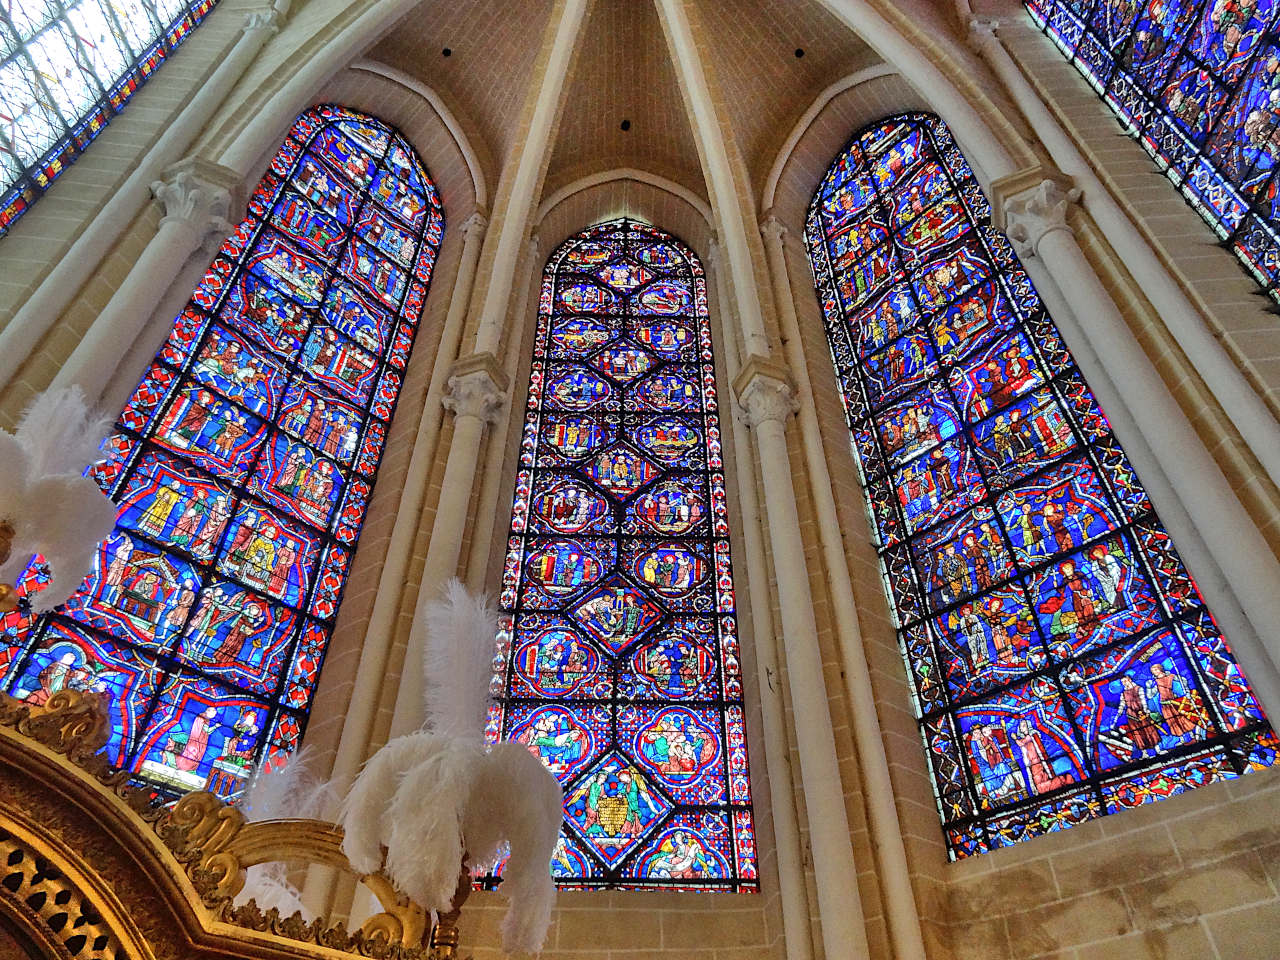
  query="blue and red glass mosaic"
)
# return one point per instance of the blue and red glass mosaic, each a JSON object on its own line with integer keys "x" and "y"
{"x": 242, "y": 466}
{"x": 1063, "y": 663}
{"x": 621, "y": 669}
{"x": 1197, "y": 83}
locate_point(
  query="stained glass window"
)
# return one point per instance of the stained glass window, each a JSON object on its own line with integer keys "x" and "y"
{"x": 66, "y": 68}
{"x": 243, "y": 465}
{"x": 1063, "y": 663}
{"x": 1197, "y": 83}
{"x": 621, "y": 667}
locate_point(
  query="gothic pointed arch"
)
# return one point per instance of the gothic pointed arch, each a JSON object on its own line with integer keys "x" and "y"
{"x": 1063, "y": 663}
{"x": 243, "y": 466}
{"x": 621, "y": 668}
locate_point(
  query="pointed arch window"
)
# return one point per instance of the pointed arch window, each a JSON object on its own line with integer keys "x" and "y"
{"x": 621, "y": 667}
{"x": 1064, "y": 665}
{"x": 1196, "y": 83}
{"x": 243, "y": 466}
{"x": 66, "y": 68}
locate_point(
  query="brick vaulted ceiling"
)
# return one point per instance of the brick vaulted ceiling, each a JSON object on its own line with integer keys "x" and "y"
{"x": 623, "y": 71}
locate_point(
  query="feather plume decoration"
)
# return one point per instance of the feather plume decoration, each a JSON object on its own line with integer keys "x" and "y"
{"x": 458, "y": 661}
{"x": 51, "y": 509}
{"x": 365, "y": 814}
{"x": 431, "y": 797}
{"x": 289, "y": 792}
{"x": 267, "y": 884}
{"x": 59, "y": 432}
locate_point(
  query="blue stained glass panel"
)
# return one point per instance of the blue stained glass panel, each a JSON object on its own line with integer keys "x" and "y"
{"x": 1063, "y": 661}
{"x": 242, "y": 466}
{"x": 1194, "y": 82}
{"x": 620, "y": 659}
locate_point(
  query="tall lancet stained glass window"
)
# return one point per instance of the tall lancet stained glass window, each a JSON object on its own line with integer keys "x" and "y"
{"x": 621, "y": 653}
{"x": 1197, "y": 82}
{"x": 1063, "y": 663}
{"x": 66, "y": 68}
{"x": 243, "y": 465}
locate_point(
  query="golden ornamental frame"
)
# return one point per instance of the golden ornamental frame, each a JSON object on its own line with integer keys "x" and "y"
{"x": 90, "y": 868}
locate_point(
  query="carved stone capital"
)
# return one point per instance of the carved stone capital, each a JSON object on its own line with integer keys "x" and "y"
{"x": 475, "y": 225}
{"x": 764, "y": 392}
{"x": 196, "y": 194}
{"x": 982, "y": 33}
{"x": 477, "y": 388}
{"x": 772, "y": 229}
{"x": 268, "y": 19}
{"x": 1029, "y": 205}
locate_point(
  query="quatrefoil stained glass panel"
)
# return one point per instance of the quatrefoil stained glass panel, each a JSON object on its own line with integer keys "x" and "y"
{"x": 1064, "y": 665}
{"x": 243, "y": 466}
{"x": 621, "y": 669}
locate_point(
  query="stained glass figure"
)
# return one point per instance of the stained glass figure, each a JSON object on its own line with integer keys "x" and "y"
{"x": 1063, "y": 663}
{"x": 1196, "y": 83}
{"x": 620, "y": 649}
{"x": 242, "y": 466}
{"x": 65, "y": 70}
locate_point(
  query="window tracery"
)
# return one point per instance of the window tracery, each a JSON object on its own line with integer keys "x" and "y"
{"x": 620, "y": 655}
{"x": 1063, "y": 663}
{"x": 243, "y": 465}
{"x": 66, "y": 68}
{"x": 1197, "y": 83}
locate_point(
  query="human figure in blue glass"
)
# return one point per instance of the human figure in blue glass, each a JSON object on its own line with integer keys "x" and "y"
{"x": 993, "y": 761}
{"x": 1230, "y": 31}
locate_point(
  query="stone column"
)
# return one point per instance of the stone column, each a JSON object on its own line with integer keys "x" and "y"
{"x": 1033, "y": 211}
{"x": 57, "y": 291}
{"x": 796, "y": 926}
{"x": 521, "y": 180}
{"x": 379, "y": 635}
{"x": 891, "y": 855}
{"x": 1248, "y": 412}
{"x": 196, "y": 199}
{"x": 768, "y": 402}
{"x": 477, "y": 389}
{"x": 728, "y": 196}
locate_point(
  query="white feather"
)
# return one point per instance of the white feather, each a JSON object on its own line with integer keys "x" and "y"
{"x": 516, "y": 801}
{"x": 60, "y": 433}
{"x": 458, "y": 661}
{"x": 267, "y": 884}
{"x": 291, "y": 791}
{"x": 365, "y": 811}
{"x": 424, "y": 852}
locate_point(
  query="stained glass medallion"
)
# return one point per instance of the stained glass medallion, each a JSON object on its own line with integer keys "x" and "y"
{"x": 65, "y": 70}
{"x": 1064, "y": 666}
{"x": 242, "y": 466}
{"x": 620, "y": 646}
{"x": 1195, "y": 82}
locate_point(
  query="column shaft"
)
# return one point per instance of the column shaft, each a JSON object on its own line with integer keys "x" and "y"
{"x": 379, "y": 635}
{"x": 371, "y": 672}
{"x": 796, "y": 928}
{"x": 1236, "y": 546}
{"x": 891, "y": 856}
{"x": 196, "y": 198}
{"x": 476, "y": 392}
{"x": 839, "y": 902}
{"x": 526, "y": 177}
